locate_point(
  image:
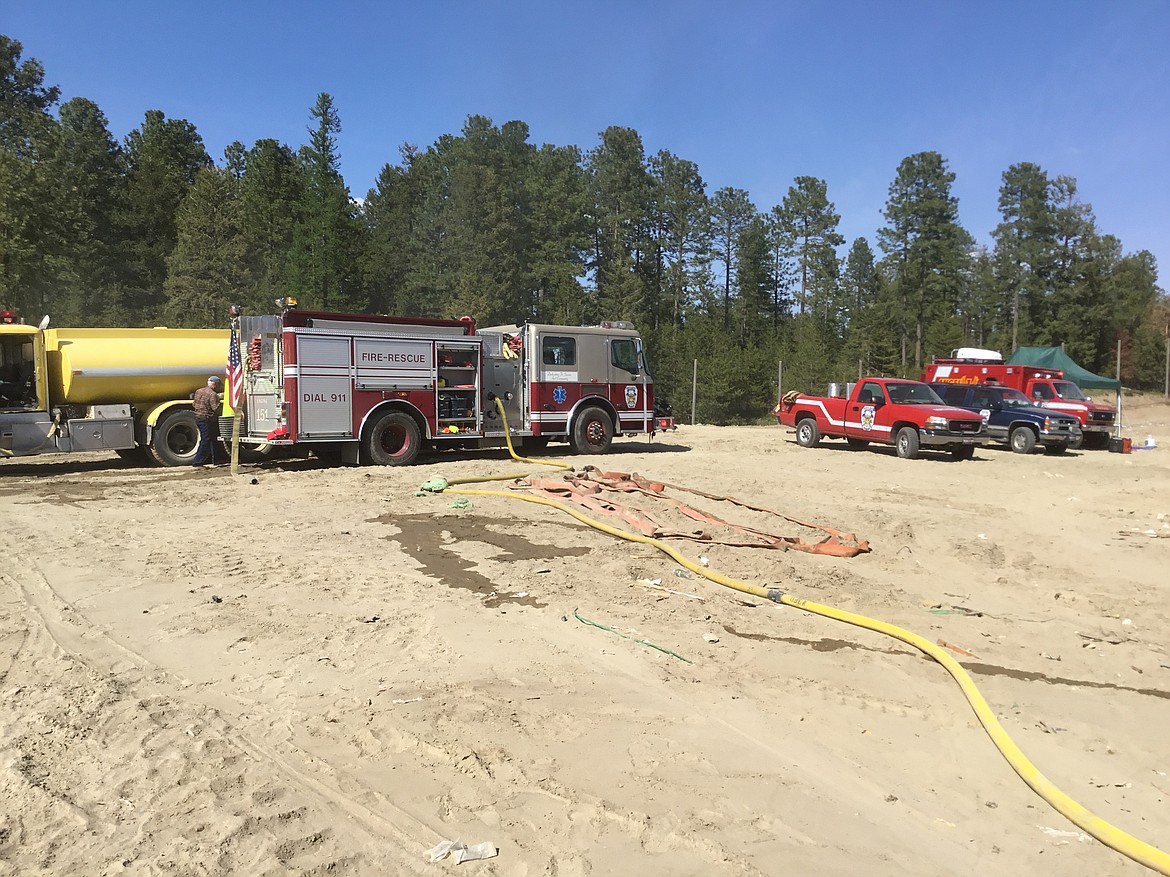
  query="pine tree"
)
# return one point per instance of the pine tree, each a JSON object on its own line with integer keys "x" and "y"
{"x": 323, "y": 237}
{"x": 860, "y": 287}
{"x": 731, "y": 212}
{"x": 27, "y": 238}
{"x": 621, "y": 259}
{"x": 926, "y": 248}
{"x": 684, "y": 239}
{"x": 162, "y": 158}
{"x": 783, "y": 273}
{"x": 81, "y": 167}
{"x": 25, "y": 100}
{"x": 754, "y": 282}
{"x": 558, "y": 235}
{"x": 272, "y": 186}
{"x": 484, "y": 219}
{"x": 1024, "y": 247}
{"x": 208, "y": 268}
{"x": 808, "y": 223}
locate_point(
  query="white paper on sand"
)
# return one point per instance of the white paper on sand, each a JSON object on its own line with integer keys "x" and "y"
{"x": 461, "y": 852}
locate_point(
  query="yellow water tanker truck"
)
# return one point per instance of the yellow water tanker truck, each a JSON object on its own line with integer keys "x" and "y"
{"x": 123, "y": 390}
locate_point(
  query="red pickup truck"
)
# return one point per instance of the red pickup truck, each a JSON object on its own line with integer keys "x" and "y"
{"x": 906, "y": 414}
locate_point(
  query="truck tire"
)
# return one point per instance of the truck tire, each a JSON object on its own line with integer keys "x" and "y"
{"x": 963, "y": 452}
{"x": 592, "y": 431}
{"x": 175, "y": 439}
{"x": 906, "y": 443}
{"x": 1074, "y": 444}
{"x": 252, "y": 453}
{"x": 394, "y": 439}
{"x": 1022, "y": 440}
{"x": 808, "y": 434}
{"x": 857, "y": 444}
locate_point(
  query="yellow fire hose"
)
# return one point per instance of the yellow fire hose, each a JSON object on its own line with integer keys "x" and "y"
{"x": 1108, "y": 834}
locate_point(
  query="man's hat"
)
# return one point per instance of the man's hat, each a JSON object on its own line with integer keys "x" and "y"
{"x": 214, "y": 379}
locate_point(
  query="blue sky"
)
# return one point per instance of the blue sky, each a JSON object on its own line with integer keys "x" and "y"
{"x": 755, "y": 93}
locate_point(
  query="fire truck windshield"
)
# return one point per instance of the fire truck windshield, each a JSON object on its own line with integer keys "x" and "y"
{"x": 1068, "y": 390}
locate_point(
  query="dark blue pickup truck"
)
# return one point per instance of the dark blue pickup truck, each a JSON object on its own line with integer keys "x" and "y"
{"x": 1012, "y": 419}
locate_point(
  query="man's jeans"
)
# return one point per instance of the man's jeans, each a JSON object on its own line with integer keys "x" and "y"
{"x": 205, "y": 453}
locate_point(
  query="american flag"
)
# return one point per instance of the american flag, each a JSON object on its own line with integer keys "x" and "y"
{"x": 235, "y": 369}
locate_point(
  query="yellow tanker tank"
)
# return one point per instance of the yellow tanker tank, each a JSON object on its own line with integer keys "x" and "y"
{"x": 138, "y": 366}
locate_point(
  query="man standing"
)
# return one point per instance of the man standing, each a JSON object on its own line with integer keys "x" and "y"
{"x": 207, "y": 406}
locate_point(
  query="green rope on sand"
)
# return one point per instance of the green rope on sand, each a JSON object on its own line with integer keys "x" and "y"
{"x": 623, "y": 636}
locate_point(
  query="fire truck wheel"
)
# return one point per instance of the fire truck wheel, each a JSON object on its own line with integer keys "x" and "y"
{"x": 906, "y": 443}
{"x": 592, "y": 431}
{"x": 393, "y": 440}
{"x": 251, "y": 453}
{"x": 808, "y": 433}
{"x": 1023, "y": 440}
{"x": 175, "y": 439}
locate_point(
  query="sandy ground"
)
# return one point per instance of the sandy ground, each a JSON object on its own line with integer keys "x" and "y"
{"x": 308, "y": 669}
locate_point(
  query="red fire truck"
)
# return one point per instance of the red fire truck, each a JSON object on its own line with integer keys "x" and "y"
{"x": 1048, "y": 388}
{"x": 379, "y": 389}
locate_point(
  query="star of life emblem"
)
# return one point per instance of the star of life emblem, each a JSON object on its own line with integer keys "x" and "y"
{"x": 560, "y": 395}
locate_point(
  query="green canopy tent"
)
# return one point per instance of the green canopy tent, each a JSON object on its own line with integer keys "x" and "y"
{"x": 1054, "y": 357}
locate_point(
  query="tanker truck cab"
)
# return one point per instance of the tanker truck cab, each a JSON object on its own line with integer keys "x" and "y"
{"x": 22, "y": 358}
{"x": 25, "y": 421}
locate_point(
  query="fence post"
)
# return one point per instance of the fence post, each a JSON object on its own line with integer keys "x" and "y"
{"x": 694, "y": 386}
{"x": 1119, "y": 415}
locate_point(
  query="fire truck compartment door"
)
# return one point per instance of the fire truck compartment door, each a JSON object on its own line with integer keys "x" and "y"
{"x": 324, "y": 387}
{"x": 263, "y": 400}
{"x": 394, "y": 363}
{"x": 503, "y": 379}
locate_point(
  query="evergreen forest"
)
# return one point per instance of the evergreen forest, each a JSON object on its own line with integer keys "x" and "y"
{"x": 151, "y": 230}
